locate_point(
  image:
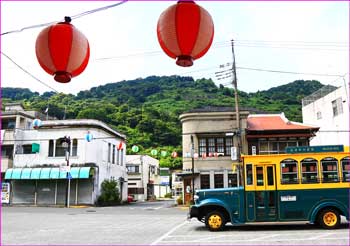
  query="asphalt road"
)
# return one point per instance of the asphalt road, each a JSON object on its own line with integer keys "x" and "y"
{"x": 150, "y": 223}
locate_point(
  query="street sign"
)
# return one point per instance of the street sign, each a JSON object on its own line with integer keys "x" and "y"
{"x": 164, "y": 180}
{"x": 69, "y": 176}
{"x": 234, "y": 153}
{"x": 5, "y": 192}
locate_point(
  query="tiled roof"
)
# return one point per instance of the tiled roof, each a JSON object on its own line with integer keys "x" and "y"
{"x": 274, "y": 122}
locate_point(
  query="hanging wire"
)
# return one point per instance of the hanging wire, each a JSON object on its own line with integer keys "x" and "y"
{"x": 72, "y": 17}
{"x": 31, "y": 75}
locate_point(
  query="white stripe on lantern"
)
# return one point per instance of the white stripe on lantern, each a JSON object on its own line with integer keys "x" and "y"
{"x": 78, "y": 51}
{"x": 204, "y": 34}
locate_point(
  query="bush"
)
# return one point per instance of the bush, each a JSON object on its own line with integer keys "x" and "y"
{"x": 179, "y": 201}
{"x": 168, "y": 195}
{"x": 109, "y": 193}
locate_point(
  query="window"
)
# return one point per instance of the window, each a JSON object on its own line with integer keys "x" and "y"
{"x": 263, "y": 147}
{"x": 220, "y": 145}
{"x": 345, "y": 164}
{"x": 205, "y": 181}
{"x": 270, "y": 176}
{"x": 337, "y": 107}
{"x": 309, "y": 171}
{"x": 278, "y": 147}
{"x": 75, "y": 147}
{"x": 289, "y": 171}
{"x": 229, "y": 145}
{"x": 282, "y": 147}
{"x": 202, "y": 146}
{"x": 232, "y": 180}
{"x": 51, "y": 148}
{"x": 319, "y": 115}
{"x": 118, "y": 158}
{"x": 8, "y": 124}
{"x": 7, "y": 151}
{"x": 113, "y": 154}
{"x": 60, "y": 150}
{"x": 109, "y": 153}
{"x": 121, "y": 157}
{"x": 133, "y": 169}
{"x": 211, "y": 145}
{"x": 249, "y": 171}
{"x": 218, "y": 180}
{"x": 329, "y": 167}
{"x": 27, "y": 149}
{"x": 259, "y": 176}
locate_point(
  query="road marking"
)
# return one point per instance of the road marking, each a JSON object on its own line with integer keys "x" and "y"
{"x": 264, "y": 237}
{"x": 233, "y": 241}
{"x": 322, "y": 236}
{"x": 169, "y": 232}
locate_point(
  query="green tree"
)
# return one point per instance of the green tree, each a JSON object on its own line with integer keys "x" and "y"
{"x": 109, "y": 193}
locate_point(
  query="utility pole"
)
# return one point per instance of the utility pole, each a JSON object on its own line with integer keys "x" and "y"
{"x": 192, "y": 156}
{"x": 66, "y": 145}
{"x": 224, "y": 75}
{"x": 238, "y": 124}
{"x": 234, "y": 83}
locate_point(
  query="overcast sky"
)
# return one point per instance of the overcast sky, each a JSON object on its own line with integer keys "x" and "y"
{"x": 301, "y": 37}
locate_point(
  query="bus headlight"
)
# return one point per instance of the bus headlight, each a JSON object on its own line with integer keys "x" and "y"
{"x": 196, "y": 197}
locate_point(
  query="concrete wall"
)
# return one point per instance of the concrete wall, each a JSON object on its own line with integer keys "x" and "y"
{"x": 334, "y": 130}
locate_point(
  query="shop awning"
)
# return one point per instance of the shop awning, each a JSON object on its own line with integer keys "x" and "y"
{"x": 49, "y": 173}
{"x": 35, "y": 173}
{"x": 26, "y": 173}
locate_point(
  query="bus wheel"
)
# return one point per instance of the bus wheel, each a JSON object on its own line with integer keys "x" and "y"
{"x": 329, "y": 218}
{"x": 215, "y": 221}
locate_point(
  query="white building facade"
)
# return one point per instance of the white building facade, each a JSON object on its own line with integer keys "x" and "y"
{"x": 39, "y": 172}
{"x": 144, "y": 181}
{"x": 328, "y": 108}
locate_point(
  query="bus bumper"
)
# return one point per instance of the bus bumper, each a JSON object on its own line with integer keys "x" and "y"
{"x": 193, "y": 213}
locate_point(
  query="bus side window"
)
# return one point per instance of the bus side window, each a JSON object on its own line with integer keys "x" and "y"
{"x": 289, "y": 171}
{"x": 309, "y": 172}
{"x": 329, "y": 167}
{"x": 259, "y": 176}
{"x": 249, "y": 173}
{"x": 345, "y": 166}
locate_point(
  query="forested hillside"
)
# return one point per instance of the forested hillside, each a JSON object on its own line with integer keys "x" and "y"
{"x": 147, "y": 110}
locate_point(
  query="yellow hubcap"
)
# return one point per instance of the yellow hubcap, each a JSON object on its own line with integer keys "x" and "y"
{"x": 214, "y": 221}
{"x": 330, "y": 218}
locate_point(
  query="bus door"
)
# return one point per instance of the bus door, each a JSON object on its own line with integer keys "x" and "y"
{"x": 265, "y": 193}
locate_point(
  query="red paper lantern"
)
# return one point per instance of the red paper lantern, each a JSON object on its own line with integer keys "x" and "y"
{"x": 185, "y": 31}
{"x": 62, "y": 51}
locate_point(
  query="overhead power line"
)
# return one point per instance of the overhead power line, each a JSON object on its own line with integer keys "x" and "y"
{"x": 289, "y": 72}
{"x": 72, "y": 17}
{"x": 31, "y": 75}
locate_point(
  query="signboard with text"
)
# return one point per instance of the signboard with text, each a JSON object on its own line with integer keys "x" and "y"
{"x": 315, "y": 149}
{"x": 5, "y": 192}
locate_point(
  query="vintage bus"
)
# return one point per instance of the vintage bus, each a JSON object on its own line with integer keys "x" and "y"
{"x": 310, "y": 186}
